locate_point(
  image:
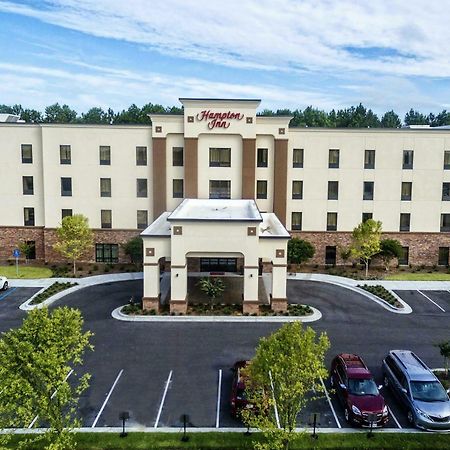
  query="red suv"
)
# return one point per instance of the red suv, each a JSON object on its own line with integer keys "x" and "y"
{"x": 357, "y": 391}
{"x": 238, "y": 398}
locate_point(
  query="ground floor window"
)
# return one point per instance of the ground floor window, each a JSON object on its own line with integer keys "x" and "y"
{"x": 443, "y": 256}
{"x": 107, "y": 253}
{"x": 31, "y": 250}
{"x": 330, "y": 255}
{"x": 218, "y": 265}
{"x": 404, "y": 257}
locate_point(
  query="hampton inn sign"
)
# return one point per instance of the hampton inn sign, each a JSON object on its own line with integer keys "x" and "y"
{"x": 218, "y": 119}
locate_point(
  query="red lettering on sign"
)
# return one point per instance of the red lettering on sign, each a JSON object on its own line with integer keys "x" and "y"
{"x": 218, "y": 119}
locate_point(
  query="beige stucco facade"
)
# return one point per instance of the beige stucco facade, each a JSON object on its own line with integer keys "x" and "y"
{"x": 228, "y": 124}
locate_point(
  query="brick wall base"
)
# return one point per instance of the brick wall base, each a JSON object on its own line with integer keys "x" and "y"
{"x": 279, "y": 304}
{"x": 250, "y": 307}
{"x": 149, "y": 303}
{"x": 178, "y": 306}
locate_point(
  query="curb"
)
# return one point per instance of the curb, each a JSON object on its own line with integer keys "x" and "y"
{"x": 27, "y": 306}
{"x": 119, "y": 315}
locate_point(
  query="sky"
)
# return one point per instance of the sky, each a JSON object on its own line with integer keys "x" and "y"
{"x": 387, "y": 54}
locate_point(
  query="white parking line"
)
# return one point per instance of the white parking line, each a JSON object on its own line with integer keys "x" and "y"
{"x": 432, "y": 301}
{"x": 54, "y": 393}
{"x": 163, "y": 399}
{"x": 219, "y": 389}
{"x": 395, "y": 418}
{"x": 107, "y": 398}
{"x": 331, "y": 405}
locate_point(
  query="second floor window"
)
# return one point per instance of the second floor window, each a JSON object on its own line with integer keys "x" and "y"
{"x": 263, "y": 155}
{"x": 368, "y": 190}
{"x": 331, "y": 221}
{"x": 220, "y": 189}
{"x": 408, "y": 159}
{"x": 66, "y": 213}
{"x": 66, "y": 186}
{"x": 28, "y": 217}
{"x": 333, "y": 158}
{"x": 297, "y": 190}
{"x": 177, "y": 156}
{"x": 105, "y": 155}
{"x": 141, "y": 156}
{"x": 105, "y": 187}
{"x": 178, "y": 188}
{"x": 261, "y": 189}
{"x": 219, "y": 157}
{"x": 369, "y": 159}
{"x": 28, "y": 185}
{"x": 296, "y": 221}
{"x": 141, "y": 187}
{"x": 405, "y": 221}
{"x": 65, "y": 154}
{"x": 406, "y": 190}
{"x": 106, "y": 218}
{"x": 27, "y": 153}
{"x": 447, "y": 160}
{"x": 446, "y": 191}
{"x": 297, "y": 158}
{"x": 142, "y": 219}
{"x": 333, "y": 190}
{"x": 366, "y": 216}
{"x": 445, "y": 222}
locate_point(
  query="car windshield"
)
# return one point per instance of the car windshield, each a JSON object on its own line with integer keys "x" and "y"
{"x": 428, "y": 391}
{"x": 362, "y": 386}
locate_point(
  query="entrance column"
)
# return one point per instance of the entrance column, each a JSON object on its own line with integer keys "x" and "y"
{"x": 278, "y": 296}
{"x": 178, "y": 287}
{"x": 152, "y": 291}
{"x": 250, "y": 302}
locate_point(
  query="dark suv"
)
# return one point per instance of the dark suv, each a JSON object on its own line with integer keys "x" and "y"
{"x": 420, "y": 392}
{"x": 357, "y": 391}
{"x": 238, "y": 398}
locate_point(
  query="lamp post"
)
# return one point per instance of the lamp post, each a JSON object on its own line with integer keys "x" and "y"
{"x": 184, "y": 418}
{"x": 123, "y": 416}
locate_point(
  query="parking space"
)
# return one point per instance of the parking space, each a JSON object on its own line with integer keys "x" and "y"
{"x": 426, "y": 302}
{"x": 10, "y": 300}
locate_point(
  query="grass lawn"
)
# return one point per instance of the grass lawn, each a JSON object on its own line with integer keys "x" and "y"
{"x": 25, "y": 271}
{"x": 406, "y": 276}
{"x": 385, "y": 441}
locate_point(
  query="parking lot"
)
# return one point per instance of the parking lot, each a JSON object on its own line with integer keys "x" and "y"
{"x": 159, "y": 371}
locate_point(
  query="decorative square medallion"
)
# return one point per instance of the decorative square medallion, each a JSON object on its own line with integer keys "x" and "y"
{"x": 249, "y": 119}
{"x": 178, "y": 230}
{"x": 150, "y": 251}
{"x": 158, "y": 129}
{"x": 281, "y": 130}
{"x": 251, "y": 231}
{"x": 190, "y": 119}
{"x": 279, "y": 253}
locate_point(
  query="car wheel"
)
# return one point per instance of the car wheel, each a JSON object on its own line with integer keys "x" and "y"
{"x": 410, "y": 417}
{"x": 386, "y": 381}
{"x": 347, "y": 415}
{"x": 5, "y": 286}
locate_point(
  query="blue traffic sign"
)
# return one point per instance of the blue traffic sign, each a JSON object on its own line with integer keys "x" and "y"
{"x": 16, "y": 253}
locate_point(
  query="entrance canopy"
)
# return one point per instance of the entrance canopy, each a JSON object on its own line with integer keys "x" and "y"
{"x": 215, "y": 229}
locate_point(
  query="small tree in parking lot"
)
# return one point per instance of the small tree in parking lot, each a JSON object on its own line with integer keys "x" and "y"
{"x": 389, "y": 249}
{"x": 444, "y": 348}
{"x": 287, "y": 367}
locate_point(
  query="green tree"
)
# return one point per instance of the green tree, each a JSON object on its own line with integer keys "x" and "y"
{"x": 413, "y": 117}
{"x": 212, "y": 287}
{"x": 74, "y": 238}
{"x": 31, "y": 116}
{"x": 366, "y": 241}
{"x": 134, "y": 250}
{"x": 299, "y": 251}
{"x": 35, "y": 362}
{"x": 60, "y": 114}
{"x": 27, "y": 249}
{"x": 288, "y": 366}
{"x": 444, "y": 349}
{"x": 391, "y": 120}
{"x": 389, "y": 249}
{"x": 96, "y": 116}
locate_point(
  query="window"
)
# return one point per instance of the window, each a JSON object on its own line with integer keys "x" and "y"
{"x": 369, "y": 159}
{"x": 263, "y": 156}
{"x": 105, "y": 155}
{"x": 445, "y": 191}
{"x": 28, "y": 217}
{"x": 446, "y": 159}
{"x": 178, "y": 188}
{"x": 177, "y": 156}
{"x": 296, "y": 221}
{"x": 142, "y": 219}
{"x": 107, "y": 253}
{"x": 106, "y": 218}
{"x": 297, "y": 190}
{"x": 445, "y": 222}
{"x": 367, "y": 216}
{"x": 331, "y": 221}
{"x": 406, "y": 190}
{"x": 27, "y": 153}
{"x": 298, "y": 158}
{"x": 443, "y": 256}
{"x": 333, "y": 158}
{"x": 403, "y": 260}
{"x": 141, "y": 156}
{"x": 65, "y": 154}
{"x": 219, "y": 189}
{"x": 66, "y": 187}
{"x": 105, "y": 187}
{"x": 31, "y": 249}
{"x": 220, "y": 157}
{"x": 405, "y": 221}
{"x": 368, "y": 190}
{"x": 330, "y": 255}
{"x": 28, "y": 185}
{"x": 408, "y": 159}
{"x": 66, "y": 213}
{"x": 333, "y": 190}
{"x": 261, "y": 189}
{"x": 141, "y": 187}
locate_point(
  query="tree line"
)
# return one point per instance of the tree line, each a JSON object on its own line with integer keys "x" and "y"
{"x": 352, "y": 117}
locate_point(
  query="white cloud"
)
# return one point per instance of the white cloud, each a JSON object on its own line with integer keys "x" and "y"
{"x": 285, "y": 35}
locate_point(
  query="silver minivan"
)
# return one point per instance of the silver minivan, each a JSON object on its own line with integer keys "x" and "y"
{"x": 422, "y": 395}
